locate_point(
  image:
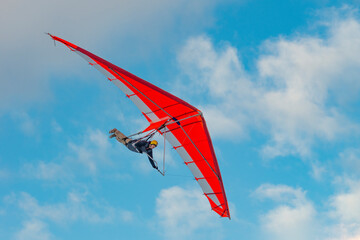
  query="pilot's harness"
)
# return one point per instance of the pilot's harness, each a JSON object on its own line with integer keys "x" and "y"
{"x": 147, "y": 137}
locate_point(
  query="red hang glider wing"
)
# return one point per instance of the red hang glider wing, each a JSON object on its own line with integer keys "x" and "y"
{"x": 185, "y": 128}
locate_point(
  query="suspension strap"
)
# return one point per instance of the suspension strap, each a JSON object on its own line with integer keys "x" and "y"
{"x": 164, "y": 152}
{"x": 147, "y": 136}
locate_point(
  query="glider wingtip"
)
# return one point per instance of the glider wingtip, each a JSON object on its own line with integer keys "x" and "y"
{"x": 47, "y": 33}
{"x": 228, "y": 214}
{"x": 53, "y": 37}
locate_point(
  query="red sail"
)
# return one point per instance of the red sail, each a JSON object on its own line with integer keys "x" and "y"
{"x": 185, "y": 127}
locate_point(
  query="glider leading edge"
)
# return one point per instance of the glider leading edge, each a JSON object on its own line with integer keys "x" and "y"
{"x": 180, "y": 123}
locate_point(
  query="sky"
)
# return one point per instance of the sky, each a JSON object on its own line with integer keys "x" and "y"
{"x": 277, "y": 81}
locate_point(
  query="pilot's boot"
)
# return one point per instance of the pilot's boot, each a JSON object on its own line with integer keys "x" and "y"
{"x": 113, "y": 130}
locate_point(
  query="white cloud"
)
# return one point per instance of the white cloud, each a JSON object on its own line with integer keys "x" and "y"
{"x": 222, "y": 124}
{"x": 220, "y": 77}
{"x": 127, "y": 216}
{"x": 304, "y": 72}
{"x": 56, "y": 126}
{"x": 183, "y": 213}
{"x": 4, "y": 174}
{"x": 344, "y": 211}
{"x": 281, "y": 193}
{"x": 296, "y": 96}
{"x": 77, "y": 207}
{"x": 34, "y": 230}
{"x": 342, "y": 233}
{"x": 90, "y": 153}
{"x": 95, "y": 150}
{"x": 317, "y": 170}
{"x": 347, "y": 204}
{"x": 293, "y": 218}
{"x": 45, "y": 171}
{"x": 286, "y": 222}
{"x": 350, "y": 160}
{"x": 26, "y": 124}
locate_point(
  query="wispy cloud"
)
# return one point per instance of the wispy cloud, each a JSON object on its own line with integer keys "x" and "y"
{"x": 27, "y": 124}
{"x": 56, "y": 127}
{"x": 4, "y": 174}
{"x": 349, "y": 159}
{"x": 34, "y": 230}
{"x": 94, "y": 150}
{"x": 45, "y": 171}
{"x": 78, "y": 207}
{"x": 87, "y": 155}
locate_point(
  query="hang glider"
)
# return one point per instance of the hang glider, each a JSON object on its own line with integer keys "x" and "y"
{"x": 183, "y": 125}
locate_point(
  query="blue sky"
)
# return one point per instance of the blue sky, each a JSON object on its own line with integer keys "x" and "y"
{"x": 277, "y": 82}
